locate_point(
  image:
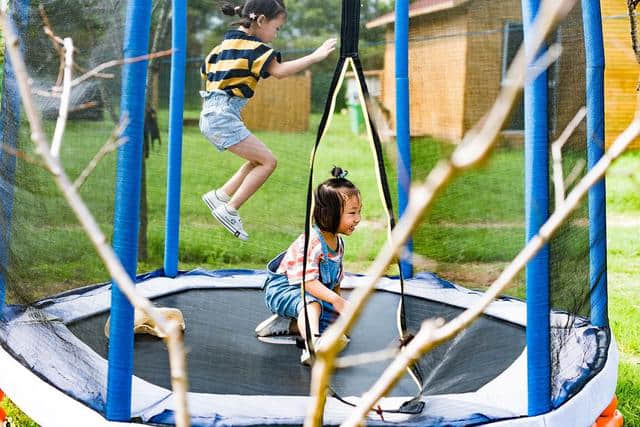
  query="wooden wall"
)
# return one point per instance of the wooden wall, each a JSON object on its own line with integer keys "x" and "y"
{"x": 280, "y": 105}
{"x": 437, "y": 54}
{"x": 621, "y": 70}
{"x": 484, "y": 54}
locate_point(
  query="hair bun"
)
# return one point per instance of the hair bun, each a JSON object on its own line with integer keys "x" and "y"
{"x": 339, "y": 173}
{"x": 230, "y": 9}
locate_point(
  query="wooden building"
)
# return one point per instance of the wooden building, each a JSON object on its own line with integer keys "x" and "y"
{"x": 459, "y": 51}
{"x": 280, "y": 105}
{"x": 621, "y": 70}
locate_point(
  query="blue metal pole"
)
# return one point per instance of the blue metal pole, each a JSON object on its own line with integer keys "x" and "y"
{"x": 9, "y": 134}
{"x": 403, "y": 138}
{"x": 127, "y": 208}
{"x": 536, "y": 213}
{"x": 594, "y": 52}
{"x": 174, "y": 161}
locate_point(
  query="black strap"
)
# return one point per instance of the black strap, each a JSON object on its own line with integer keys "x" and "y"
{"x": 349, "y": 53}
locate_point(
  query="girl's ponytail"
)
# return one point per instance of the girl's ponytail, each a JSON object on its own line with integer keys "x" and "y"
{"x": 231, "y": 9}
{"x": 250, "y": 9}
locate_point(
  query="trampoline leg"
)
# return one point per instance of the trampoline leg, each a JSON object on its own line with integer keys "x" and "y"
{"x": 610, "y": 417}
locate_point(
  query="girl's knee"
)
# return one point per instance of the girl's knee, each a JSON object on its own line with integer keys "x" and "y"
{"x": 271, "y": 163}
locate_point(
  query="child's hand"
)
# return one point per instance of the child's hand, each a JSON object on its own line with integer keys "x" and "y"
{"x": 325, "y": 49}
{"x": 340, "y": 304}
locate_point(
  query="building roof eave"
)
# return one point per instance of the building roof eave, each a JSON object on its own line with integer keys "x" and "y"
{"x": 416, "y": 11}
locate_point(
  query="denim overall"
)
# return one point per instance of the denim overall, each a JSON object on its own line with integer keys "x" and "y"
{"x": 285, "y": 299}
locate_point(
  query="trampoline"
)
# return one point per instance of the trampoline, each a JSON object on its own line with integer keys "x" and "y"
{"x": 235, "y": 379}
{"x": 53, "y": 351}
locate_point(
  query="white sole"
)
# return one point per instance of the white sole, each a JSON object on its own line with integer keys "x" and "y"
{"x": 229, "y": 227}
{"x": 280, "y": 339}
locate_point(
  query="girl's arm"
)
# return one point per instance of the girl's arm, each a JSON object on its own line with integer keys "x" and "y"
{"x": 320, "y": 291}
{"x": 288, "y": 68}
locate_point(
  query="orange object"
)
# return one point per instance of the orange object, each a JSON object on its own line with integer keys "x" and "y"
{"x": 610, "y": 417}
{"x": 3, "y": 415}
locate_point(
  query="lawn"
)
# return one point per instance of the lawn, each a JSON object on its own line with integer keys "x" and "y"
{"x": 473, "y": 230}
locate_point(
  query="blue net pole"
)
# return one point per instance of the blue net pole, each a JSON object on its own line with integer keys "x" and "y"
{"x": 536, "y": 213}
{"x": 594, "y": 52}
{"x": 127, "y": 208}
{"x": 9, "y": 129}
{"x": 403, "y": 121}
{"x": 174, "y": 161}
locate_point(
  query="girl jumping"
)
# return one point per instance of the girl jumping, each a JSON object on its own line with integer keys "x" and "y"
{"x": 231, "y": 72}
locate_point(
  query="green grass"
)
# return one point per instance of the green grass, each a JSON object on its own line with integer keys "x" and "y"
{"x": 475, "y": 228}
{"x": 623, "y": 204}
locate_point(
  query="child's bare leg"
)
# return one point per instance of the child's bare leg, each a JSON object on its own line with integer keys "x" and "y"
{"x": 314, "y": 311}
{"x": 253, "y": 150}
{"x": 232, "y": 185}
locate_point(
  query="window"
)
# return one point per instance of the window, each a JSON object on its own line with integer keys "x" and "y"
{"x": 513, "y": 36}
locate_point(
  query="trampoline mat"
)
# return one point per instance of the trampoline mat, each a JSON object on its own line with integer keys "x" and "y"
{"x": 224, "y": 356}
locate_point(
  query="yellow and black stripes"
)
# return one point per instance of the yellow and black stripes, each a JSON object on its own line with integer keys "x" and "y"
{"x": 237, "y": 63}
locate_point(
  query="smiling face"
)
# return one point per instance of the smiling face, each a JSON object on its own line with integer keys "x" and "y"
{"x": 267, "y": 29}
{"x": 350, "y": 217}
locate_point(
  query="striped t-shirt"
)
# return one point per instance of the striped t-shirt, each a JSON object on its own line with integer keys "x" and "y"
{"x": 236, "y": 64}
{"x": 291, "y": 264}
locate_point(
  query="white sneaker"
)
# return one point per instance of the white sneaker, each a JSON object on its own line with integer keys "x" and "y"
{"x": 307, "y": 359}
{"x": 231, "y": 221}
{"x": 274, "y": 325}
{"x": 214, "y": 200}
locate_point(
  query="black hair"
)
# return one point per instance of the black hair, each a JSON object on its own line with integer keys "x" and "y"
{"x": 269, "y": 8}
{"x": 330, "y": 197}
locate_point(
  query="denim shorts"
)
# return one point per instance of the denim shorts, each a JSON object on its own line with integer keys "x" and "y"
{"x": 285, "y": 299}
{"x": 220, "y": 120}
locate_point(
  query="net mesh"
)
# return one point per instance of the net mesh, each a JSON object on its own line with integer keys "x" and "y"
{"x": 458, "y": 59}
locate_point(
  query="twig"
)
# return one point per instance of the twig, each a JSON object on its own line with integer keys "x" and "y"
{"x": 112, "y": 144}
{"x": 105, "y": 251}
{"x": 57, "y": 42}
{"x": 431, "y": 335}
{"x": 157, "y": 35}
{"x": 364, "y": 358}
{"x": 115, "y": 62}
{"x": 474, "y": 148}
{"x": 22, "y": 155}
{"x": 556, "y": 154}
{"x": 63, "y": 111}
{"x": 575, "y": 173}
{"x": 633, "y": 18}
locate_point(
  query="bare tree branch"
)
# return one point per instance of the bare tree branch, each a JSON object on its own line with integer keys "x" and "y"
{"x": 113, "y": 143}
{"x": 575, "y": 173}
{"x": 22, "y": 155}
{"x": 105, "y": 251}
{"x": 64, "y": 100}
{"x": 556, "y": 154}
{"x": 57, "y": 43}
{"x": 96, "y": 71}
{"x": 364, "y": 358}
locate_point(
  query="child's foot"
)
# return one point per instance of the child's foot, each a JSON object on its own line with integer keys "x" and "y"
{"x": 229, "y": 217}
{"x": 214, "y": 199}
{"x": 273, "y": 326}
{"x": 307, "y": 359}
